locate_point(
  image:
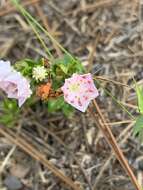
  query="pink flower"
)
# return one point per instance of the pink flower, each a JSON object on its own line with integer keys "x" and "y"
{"x": 79, "y": 90}
{"x": 13, "y": 83}
{"x": 5, "y": 69}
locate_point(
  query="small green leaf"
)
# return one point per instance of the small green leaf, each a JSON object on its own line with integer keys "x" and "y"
{"x": 138, "y": 128}
{"x": 55, "y": 104}
{"x": 10, "y": 112}
{"x": 62, "y": 63}
{"x": 25, "y": 66}
{"x": 59, "y": 104}
{"x": 139, "y": 91}
{"x": 67, "y": 110}
{"x": 64, "y": 68}
{"x": 67, "y": 65}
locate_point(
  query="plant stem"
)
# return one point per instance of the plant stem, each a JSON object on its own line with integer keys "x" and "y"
{"x": 22, "y": 10}
{"x": 115, "y": 100}
{"x": 112, "y": 142}
{"x": 29, "y": 16}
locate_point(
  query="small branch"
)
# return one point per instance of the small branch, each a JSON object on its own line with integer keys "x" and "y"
{"x": 29, "y": 149}
{"x": 124, "y": 135}
{"x": 112, "y": 142}
{"x": 67, "y": 150}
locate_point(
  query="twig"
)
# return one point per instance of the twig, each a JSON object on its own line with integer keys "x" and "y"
{"x": 85, "y": 133}
{"x": 7, "y": 158}
{"x": 67, "y": 149}
{"x": 92, "y": 52}
{"x": 91, "y": 7}
{"x": 11, "y": 151}
{"x": 120, "y": 122}
{"x": 112, "y": 142}
{"x": 126, "y": 133}
{"x": 36, "y": 155}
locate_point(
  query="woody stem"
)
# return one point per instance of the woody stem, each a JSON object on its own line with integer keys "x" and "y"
{"x": 102, "y": 124}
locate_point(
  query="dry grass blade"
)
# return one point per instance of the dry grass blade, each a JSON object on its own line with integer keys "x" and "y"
{"x": 112, "y": 81}
{"x": 125, "y": 135}
{"x": 98, "y": 4}
{"x": 37, "y": 155}
{"x": 91, "y": 7}
{"x": 112, "y": 142}
{"x": 6, "y": 46}
{"x": 66, "y": 149}
{"x": 46, "y": 25}
{"x": 2, "y": 167}
{"x": 9, "y": 9}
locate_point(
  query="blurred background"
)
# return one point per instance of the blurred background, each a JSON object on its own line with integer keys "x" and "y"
{"x": 107, "y": 36}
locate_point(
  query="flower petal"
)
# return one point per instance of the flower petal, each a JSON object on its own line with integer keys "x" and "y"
{"x": 5, "y": 69}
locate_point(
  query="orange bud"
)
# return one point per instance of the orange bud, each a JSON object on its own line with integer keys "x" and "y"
{"x": 44, "y": 90}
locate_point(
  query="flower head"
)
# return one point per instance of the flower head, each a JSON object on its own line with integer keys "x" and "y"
{"x": 79, "y": 90}
{"x": 44, "y": 90}
{"x": 14, "y": 84}
{"x": 39, "y": 73}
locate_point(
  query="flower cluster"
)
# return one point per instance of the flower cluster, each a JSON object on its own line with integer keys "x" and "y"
{"x": 78, "y": 91}
{"x": 13, "y": 83}
{"x": 39, "y": 73}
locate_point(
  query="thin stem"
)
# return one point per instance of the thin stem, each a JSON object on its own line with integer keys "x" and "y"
{"x": 115, "y": 100}
{"x": 41, "y": 41}
{"x": 35, "y": 31}
{"x": 120, "y": 104}
{"x": 102, "y": 78}
{"x": 27, "y": 14}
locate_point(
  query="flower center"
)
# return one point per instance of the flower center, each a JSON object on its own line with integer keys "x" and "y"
{"x": 74, "y": 87}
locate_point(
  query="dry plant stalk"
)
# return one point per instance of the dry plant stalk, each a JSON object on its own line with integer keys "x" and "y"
{"x": 112, "y": 142}
{"x": 8, "y": 9}
{"x": 29, "y": 149}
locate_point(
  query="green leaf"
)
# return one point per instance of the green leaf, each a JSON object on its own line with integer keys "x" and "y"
{"x": 59, "y": 104}
{"x": 62, "y": 64}
{"x": 10, "y": 106}
{"x": 25, "y": 66}
{"x": 138, "y": 128}
{"x": 67, "y": 110}
{"x": 64, "y": 68}
{"x": 68, "y": 65}
{"x": 55, "y": 104}
{"x": 7, "y": 119}
{"x": 139, "y": 91}
{"x": 65, "y": 63}
{"x": 9, "y": 112}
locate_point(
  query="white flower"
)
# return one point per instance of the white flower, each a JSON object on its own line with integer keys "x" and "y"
{"x": 39, "y": 73}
